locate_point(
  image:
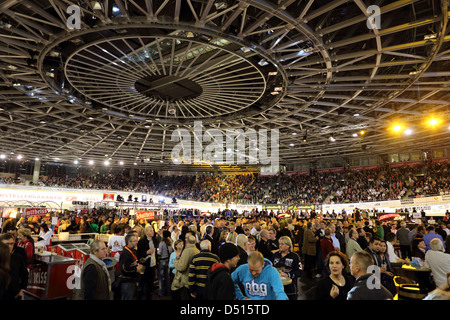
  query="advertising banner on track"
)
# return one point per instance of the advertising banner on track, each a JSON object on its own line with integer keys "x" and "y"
{"x": 108, "y": 197}
{"x": 35, "y": 212}
{"x": 148, "y": 215}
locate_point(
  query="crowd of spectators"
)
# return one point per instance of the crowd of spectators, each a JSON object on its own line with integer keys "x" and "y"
{"x": 311, "y": 248}
{"x": 346, "y": 186}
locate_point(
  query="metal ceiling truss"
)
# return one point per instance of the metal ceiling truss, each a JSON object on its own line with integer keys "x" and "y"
{"x": 138, "y": 70}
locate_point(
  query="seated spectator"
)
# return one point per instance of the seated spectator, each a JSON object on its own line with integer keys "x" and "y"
{"x": 438, "y": 261}
{"x": 365, "y": 289}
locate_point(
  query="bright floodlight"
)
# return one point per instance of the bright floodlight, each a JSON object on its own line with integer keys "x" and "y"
{"x": 433, "y": 122}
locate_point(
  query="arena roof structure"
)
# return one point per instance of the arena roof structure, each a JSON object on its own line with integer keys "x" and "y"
{"x": 112, "y": 80}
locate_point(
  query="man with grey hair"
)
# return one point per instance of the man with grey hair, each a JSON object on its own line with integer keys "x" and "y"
{"x": 198, "y": 270}
{"x": 438, "y": 261}
{"x": 95, "y": 280}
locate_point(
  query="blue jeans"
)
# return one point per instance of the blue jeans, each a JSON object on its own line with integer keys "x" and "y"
{"x": 164, "y": 278}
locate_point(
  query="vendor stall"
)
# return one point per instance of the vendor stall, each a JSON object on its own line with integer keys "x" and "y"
{"x": 50, "y": 276}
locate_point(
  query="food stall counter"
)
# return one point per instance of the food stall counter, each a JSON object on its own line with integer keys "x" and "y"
{"x": 51, "y": 276}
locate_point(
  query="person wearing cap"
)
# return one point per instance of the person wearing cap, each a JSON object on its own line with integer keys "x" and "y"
{"x": 219, "y": 284}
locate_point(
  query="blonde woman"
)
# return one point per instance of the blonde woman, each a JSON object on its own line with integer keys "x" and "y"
{"x": 288, "y": 264}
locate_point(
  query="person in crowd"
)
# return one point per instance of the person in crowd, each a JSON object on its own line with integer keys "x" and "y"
{"x": 178, "y": 248}
{"x": 5, "y": 278}
{"x": 17, "y": 270}
{"x": 378, "y": 230}
{"x": 232, "y": 234}
{"x": 441, "y": 230}
{"x": 95, "y": 280}
{"x": 198, "y": 269}
{"x": 116, "y": 244}
{"x": 264, "y": 245}
{"x": 164, "y": 251}
{"x": 341, "y": 238}
{"x": 334, "y": 239}
{"x": 367, "y": 286}
{"x": 273, "y": 239}
{"x": 387, "y": 277}
{"x": 104, "y": 228}
{"x": 390, "y": 241}
{"x": 45, "y": 235}
{"x": 430, "y": 235}
{"x": 83, "y": 226}
{"x": 418, "y": 249}
{"x": 242, "y": 246}
{"x": 223, "y": 237}
{"x": 309, "y": 250}
{"x": 438, "y": 261}
{"x": 219, "y": 283}
{"x": 114, "y": 225}
{"x": 180, "y": 283}
{"x": 362, "y": 241}
{"x": 260, "y": 280}
{"x": 326, "y": 246}
{"x": 352, "y": 245}
{"x": 442, "y": 292}
{"x": 373, "y": 249}
{"x": 288, "y": 265}
{"x": 147, "y": 255}
{"x": 404, "y": 241}
{"x": 252, "y": 244}
{"x": 337, "y": 285}
{"x": 447, "y": 244}
{"x": 129, "y": 268}
{"x": 209, "y": 235}
{"x": 412, "y": 234}
{"x": 27, "y": 243}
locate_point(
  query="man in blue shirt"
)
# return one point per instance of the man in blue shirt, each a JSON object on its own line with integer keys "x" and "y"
{"x": 430, "y": 236}
{"x": 261, "y": 281}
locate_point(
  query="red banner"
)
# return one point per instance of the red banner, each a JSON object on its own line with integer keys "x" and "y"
{"x": 35, "y": 212}
{"x": 357, "y": 168}
{"x": 108, "y": 197}
{"x": 387, "y": 216}
{"x": 292, "y": 173}
{"x": 331, "y": 170}
{"x": 145, "y": 215}
{"x": 441, "y": 160}
{"x": 404, "y": 164}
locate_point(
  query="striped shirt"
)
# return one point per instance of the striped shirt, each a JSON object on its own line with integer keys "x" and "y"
{"x": 198, "y": 271}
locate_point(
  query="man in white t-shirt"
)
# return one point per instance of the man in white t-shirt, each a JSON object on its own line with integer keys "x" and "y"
{"x": 390, "y": 241}
{"x": 116, "y": 244}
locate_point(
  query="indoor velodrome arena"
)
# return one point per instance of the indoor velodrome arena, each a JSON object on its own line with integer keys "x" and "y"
{"x": 224, "y": 158}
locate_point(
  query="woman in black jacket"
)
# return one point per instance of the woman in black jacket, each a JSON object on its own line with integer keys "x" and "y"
{"x": 288, "y": 265}
{"x": 338, "y": 283}
{"x": 146, "y": 253}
